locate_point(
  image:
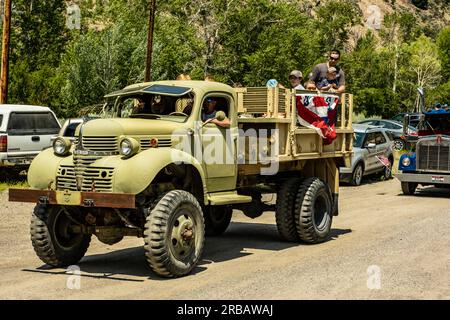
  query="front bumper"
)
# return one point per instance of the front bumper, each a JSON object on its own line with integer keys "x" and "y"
{"x": 425, "y": 178}
{"x": 74, "y": 198}
{"x": 23, "y": 160}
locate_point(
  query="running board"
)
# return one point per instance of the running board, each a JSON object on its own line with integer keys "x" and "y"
{"x": 227, "y": 197}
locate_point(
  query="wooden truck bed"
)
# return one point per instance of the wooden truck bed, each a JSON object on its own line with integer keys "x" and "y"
{"x": 275, "y": 108}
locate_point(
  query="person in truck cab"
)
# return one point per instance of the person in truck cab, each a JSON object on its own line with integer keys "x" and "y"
{"x": 209, "y": 113}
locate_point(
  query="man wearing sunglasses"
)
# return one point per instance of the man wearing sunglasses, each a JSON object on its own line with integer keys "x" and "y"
{"x": 320, "y": 71}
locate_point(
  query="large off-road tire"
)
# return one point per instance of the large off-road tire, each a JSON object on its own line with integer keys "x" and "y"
{"x": 217, "y": 219}
{"x": 409, "y": 188}
{"x": 285, "y": 206}
{"x": 52, "y": 238}
{"x": 357, "y": 175}
{"x": 174, "y": 234}
{"x": 313, "y": 211}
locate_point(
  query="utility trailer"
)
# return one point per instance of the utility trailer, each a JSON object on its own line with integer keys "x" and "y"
{"x": 154, "y": 169}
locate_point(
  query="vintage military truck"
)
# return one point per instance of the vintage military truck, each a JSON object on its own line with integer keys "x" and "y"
{"x": 145, "y": 170}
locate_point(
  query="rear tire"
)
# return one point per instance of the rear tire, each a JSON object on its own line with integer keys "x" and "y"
{"x": 217, "y": 219}
{"x": 174, "y": 234}
{"x": 409, "y": 188}
{"x": 387, "y": 172}
{"x": 399, "y": 145}
{"x": 313, "y": 211}
{"x": 52, "y": 239}
{"x": 285, "y": 206}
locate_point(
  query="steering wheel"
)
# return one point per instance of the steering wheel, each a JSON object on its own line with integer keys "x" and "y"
{"x": 178, "y": 113}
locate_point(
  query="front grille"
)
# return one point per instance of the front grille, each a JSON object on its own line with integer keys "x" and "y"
{"x": 103, "y": 144}
{"x": 94, "y": 179}
{"x": 433, "y": 156}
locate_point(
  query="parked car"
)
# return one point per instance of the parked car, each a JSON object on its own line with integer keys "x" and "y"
{"x": 413, "y": 118}
{"x": 396, "y": 128}
{"x": 24, "y": 132}
{"x": 69, "y": 127}
{"x": 370, "y": 146}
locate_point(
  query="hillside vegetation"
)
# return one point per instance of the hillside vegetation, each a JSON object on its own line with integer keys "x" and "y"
{"x": 388, "y": 50}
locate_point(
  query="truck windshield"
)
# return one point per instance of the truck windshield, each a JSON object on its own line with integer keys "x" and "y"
{"x": 436, "y": 124}
{"x": 22, "y": 123}
{"x": 155, "y": 106}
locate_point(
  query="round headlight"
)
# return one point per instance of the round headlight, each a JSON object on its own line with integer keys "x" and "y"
{"x": 406, "y": 162}
{"x": 61, "y": 146}
{"x": 129, "y": 147}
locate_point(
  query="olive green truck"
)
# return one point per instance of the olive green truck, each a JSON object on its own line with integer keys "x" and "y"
{"x": 152, "y": 168}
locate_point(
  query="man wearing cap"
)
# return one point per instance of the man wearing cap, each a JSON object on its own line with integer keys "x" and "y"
{"x": 320, "y": 71}
{"x": 209, "y": 113}
{"x": 295, "y": 78}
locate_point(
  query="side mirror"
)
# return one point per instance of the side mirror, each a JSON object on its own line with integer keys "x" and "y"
{"x": 220, "y": 115}
{"x": 371, "y": 145}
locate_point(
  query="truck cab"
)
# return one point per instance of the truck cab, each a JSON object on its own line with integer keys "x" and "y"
{"x": 428, "y": 163}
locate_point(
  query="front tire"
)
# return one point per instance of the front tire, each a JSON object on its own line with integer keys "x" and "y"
{"x": 409, "y": 188}
{"x": 52, "y": 237}
{"x": 357, "y": 175}
{"x": 313, "y": 211}
{"x": 174, "y": 234}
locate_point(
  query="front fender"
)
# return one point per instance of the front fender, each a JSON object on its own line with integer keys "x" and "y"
{"x": 133, "y": 175}
{"x": 43, "y": 169}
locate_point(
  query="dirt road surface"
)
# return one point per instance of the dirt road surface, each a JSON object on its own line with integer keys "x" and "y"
{"x": 405, "y": 238}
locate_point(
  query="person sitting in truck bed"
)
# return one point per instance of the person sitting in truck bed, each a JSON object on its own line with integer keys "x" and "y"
{"x": 209, "y": 113}
{"x": 330, "y": 82}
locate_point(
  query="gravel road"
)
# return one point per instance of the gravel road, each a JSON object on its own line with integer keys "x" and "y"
{"x": 405, "y": 238}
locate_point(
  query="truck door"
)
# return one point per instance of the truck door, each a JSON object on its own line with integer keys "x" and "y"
{"x": 219, "y": 145}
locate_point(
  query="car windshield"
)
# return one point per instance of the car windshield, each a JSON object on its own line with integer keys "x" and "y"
{"x": 155, "y": 106}
{"x": 359, "y": 138}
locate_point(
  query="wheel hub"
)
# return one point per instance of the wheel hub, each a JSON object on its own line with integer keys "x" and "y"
{"x": 183, "y": 234}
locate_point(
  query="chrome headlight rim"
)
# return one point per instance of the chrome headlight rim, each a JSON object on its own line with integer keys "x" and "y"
{"x": 406, "y": 162}
{"x": 61, "y": 146}
{"x": 128, "y": 147}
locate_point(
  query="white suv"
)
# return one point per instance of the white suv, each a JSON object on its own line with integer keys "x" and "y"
{"x": 24, "y": 132}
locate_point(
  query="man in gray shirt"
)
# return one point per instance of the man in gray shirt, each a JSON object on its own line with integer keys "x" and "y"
{"x": 320, "y": 71}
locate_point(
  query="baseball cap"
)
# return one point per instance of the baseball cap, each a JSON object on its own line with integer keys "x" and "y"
{"x": 332, "y": 70}
{"x": 296, "y": 73}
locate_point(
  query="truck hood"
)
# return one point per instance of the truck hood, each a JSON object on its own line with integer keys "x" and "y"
{"x": 126, "y": 126}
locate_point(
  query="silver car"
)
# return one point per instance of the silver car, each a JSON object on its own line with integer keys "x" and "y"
{"x": 372, "y": 149}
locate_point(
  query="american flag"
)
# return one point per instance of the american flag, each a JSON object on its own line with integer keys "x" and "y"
{"x": 318, "y": 112}
{"x": 385, "y": 161}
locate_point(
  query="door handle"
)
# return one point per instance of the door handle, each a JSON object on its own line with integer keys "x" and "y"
{"x": 35, "y": 138}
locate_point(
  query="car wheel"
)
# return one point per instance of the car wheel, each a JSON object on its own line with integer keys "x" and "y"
{"x": 387, "y": 172}
{"x": 399, "y": 145}
{"x": 357, "y": 175}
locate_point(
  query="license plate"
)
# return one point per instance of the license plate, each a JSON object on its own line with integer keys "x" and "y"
{"x": 69, "y": 198}
{"x": 437, "y": 179}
